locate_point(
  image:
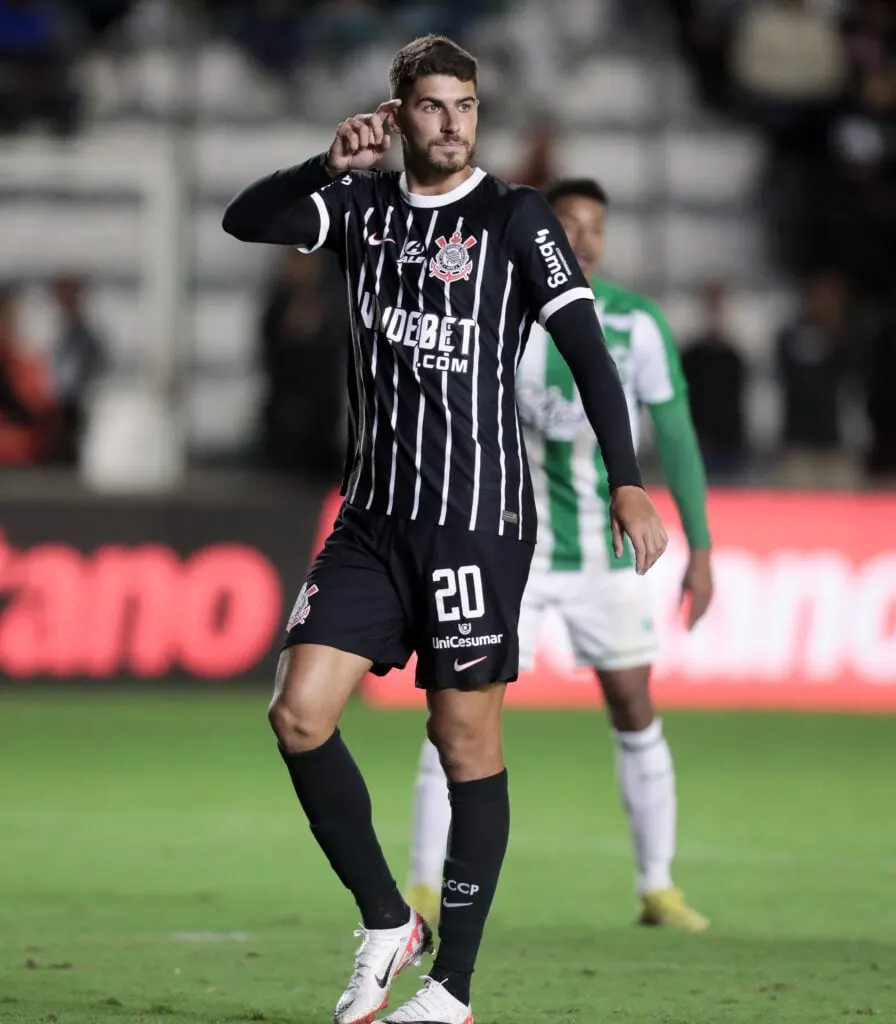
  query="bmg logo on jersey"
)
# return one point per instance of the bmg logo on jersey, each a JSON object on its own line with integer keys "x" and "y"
{"x": 554, "y": 260}
{"x": 440, "y": 342}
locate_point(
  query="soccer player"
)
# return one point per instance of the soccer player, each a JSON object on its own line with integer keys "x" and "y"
{"x": 604, "y": 602}
{"x": 446, "y": 268}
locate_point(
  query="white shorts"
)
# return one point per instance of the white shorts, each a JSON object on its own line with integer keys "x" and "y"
{"x": 608, "y": 616}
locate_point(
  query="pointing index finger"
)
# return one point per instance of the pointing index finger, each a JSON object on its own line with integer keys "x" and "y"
{"x": 386, "y": 110}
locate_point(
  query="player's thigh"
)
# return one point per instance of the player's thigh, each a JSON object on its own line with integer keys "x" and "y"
{"x": 347, "y": 619}
{"x": 465, "y": 727}
{"x": 471, "y": 586}
{"x": 609, "y": 617}
{"x": 311, "y": 688}
{"x": 536, "y": 599}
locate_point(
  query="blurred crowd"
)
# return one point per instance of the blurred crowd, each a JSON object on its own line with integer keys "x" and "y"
{"x": 816, "y": 77}
{"x": 43, "y": 397}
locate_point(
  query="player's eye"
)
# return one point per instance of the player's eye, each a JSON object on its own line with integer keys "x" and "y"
{"x": 465, "y": 107}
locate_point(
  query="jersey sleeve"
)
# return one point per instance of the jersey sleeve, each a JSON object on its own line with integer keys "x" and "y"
{"x": 660, "y": 385}
{"x": 544, "y": 260}
{"x": 300, "y": 206}
{"x": 657, "y": 372}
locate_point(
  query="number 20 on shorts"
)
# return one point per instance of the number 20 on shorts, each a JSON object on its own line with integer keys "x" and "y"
{"x": 460, "y": 594}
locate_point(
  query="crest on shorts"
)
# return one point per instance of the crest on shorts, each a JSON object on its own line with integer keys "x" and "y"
{"x": 302, "y": 608}
{"x": 452, "y": 262}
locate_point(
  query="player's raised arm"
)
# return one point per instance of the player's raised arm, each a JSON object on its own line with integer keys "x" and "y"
{"x": 294, "y": 206}
{"x": 279, "y": 208}
{"x": 564, "y": 305}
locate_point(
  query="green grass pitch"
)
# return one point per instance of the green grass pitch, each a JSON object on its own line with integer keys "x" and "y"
{"x": 154, "y": 868}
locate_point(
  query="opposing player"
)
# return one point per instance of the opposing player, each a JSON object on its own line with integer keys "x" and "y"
{"x": 602, "y": 599}
{"x": 447, "y": 268}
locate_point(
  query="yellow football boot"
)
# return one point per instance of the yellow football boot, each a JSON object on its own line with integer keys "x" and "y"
{"x": 667, "y": 907}
{"x": 425, "y": 901}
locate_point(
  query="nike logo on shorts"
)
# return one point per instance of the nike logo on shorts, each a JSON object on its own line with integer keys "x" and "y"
{"x": 384, "y": 981}
{"x": 461, "y": 666}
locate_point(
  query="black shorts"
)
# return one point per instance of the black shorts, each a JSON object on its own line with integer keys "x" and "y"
{"x": 384, "y": 587}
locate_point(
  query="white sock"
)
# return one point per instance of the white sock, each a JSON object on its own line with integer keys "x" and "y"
{"x": 431, "y": 821}
{"x": 647, "y": 783}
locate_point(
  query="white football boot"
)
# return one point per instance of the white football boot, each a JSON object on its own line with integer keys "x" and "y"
{"x": 382, "y": 955}
{"x": 433, "y": 1004}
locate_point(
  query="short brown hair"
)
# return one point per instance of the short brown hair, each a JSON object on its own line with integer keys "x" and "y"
{"x": 431, "y": 55}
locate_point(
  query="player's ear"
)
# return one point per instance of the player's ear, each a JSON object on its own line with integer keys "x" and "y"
{"x": 392, "y": 119}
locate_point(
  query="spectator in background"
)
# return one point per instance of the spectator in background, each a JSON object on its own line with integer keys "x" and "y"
{"x": 705, "y": 28}
{"x": 303, "y": 332}
{"x": 26, "y": 402}
{"x": 35, "y": 67}
{"x": 870, "y": 33}
{"x": 860, "y": 208}
{"x": 538, "y": 166}
{"x": 716, "y": 377}
{"x": 881, "y": 407}
{"x": 78, "y": 359}
{"x": 789, "y": 61}
{"x": 789, "y": 67}
{"x": 815, "y": 357}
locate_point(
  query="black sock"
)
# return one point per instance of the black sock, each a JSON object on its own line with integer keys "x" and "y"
{"x": 334, "y": 796}
{"x": 480, "y": 826}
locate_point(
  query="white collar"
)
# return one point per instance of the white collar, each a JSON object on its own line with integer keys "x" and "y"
{"x": 445, "y": 198}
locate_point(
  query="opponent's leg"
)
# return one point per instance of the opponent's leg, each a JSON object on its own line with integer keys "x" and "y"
{"x": 647, "y": 783}
{"x": 465, "y": 726}
{"x": 313, "y": 684}
{"x": 430, "y": 823}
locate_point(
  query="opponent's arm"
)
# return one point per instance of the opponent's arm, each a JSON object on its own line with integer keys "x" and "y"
{"x": 660, "y": 384}
{"x": 679, "y": 455}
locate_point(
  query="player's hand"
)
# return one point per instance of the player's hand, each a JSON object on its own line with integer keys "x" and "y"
{"x": 633, "y": 513}
{"x": 361, "y": 140}
{"x": 696, "y": 586}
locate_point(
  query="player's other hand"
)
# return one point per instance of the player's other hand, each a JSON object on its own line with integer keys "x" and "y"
{"x": 633, "y": 513}
{"x": 697, "y": 586}
{"x": 361, "y": 140}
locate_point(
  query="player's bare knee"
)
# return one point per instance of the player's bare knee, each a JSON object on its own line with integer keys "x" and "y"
{"x": 629, "y": 702}
{"x": 299, "y": 727}
{"x": 468, "y": 750}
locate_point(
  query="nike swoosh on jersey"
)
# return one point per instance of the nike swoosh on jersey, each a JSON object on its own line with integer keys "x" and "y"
{"x": 384, "y": 980}
{"x": 376, "y": 240}
{"x": 458, "y": 667}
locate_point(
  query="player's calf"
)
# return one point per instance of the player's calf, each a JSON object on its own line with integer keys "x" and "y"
{"x": 466, "y": 726}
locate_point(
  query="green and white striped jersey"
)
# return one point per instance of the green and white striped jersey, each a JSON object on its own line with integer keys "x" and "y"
{"x": 568, "y": 474}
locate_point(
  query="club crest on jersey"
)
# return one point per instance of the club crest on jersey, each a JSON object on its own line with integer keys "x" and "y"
{"x": 302, "y": 607}
{"x": 452, "y": 262}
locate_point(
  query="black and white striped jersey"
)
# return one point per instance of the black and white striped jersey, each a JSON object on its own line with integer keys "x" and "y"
{"x": 442, "y": 291}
